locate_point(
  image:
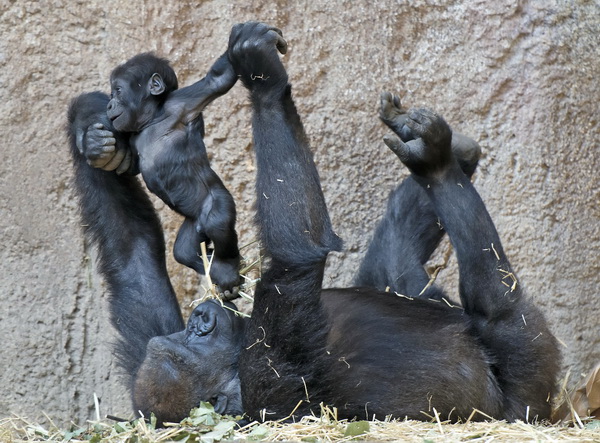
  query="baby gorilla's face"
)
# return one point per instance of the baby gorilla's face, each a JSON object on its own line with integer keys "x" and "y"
{"x": 198, "y": 364}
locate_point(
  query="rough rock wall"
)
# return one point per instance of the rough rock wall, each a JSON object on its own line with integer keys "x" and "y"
{"x": 519, "y": 76}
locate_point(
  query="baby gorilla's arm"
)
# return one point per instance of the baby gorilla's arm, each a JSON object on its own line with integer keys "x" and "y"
{"x": 192, "y": 100}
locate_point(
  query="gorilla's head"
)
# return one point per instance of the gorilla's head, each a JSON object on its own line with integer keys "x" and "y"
{"x": 198, "y": 364}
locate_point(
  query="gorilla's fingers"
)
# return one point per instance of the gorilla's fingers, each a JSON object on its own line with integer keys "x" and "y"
{"x": 418, "y": 121}
{"x": 277, "y": 30}
{"x": 391, "y": 110}
{"x": 398, "y": 147}
{"x": 230, "y": 295}
{"x": 101, "y": 156}
{"x": 98, "y": 135}
{"x": 107, "y": 138}
{"x": 385, "y": 106}
{"x": 79, "y": 135}
{"x": 280, "y": 42}
{"x": 385, "y": 96}
{"x": 107, "y": 149}
{"x": 125, "y": 164}
{"x": 431, "y": 127}
{"x": 115, "y": 161}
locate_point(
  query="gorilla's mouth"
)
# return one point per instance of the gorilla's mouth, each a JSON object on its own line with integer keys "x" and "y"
{"x": 112, "y": 118}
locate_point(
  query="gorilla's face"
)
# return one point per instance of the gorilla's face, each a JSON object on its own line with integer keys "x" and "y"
{"x": 134, "y": 100}
{"x": 198, "y": 364}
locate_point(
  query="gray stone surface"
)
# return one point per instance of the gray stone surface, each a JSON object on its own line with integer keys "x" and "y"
{"x": 519, "y": 76}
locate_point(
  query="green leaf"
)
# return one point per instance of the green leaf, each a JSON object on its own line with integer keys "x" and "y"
{"x": 183, "y": 436}
{"x": 258, "y": 433}
{"x": 356, "y": 428}
{"x": 122, "y": 426}
{"x": 38, "y": 430}
{"x": 221, "y": 430}
{"x": 203, "y": 415}
{"x": 152, "y": 424}
{"x": 594, "y": 424}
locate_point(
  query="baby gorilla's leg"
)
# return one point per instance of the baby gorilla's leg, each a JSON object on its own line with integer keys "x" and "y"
{"x": 217, "y": 221}
{"x": 224, "y": 272}
{"x": 187, "y": 246}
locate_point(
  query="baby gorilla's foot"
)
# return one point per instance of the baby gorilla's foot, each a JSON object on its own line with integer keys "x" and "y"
{"x": 430, "y": 152}
{"x": 226, "y": 275}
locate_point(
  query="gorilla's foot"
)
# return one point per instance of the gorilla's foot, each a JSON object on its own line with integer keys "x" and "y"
{"x": 429, "y": 154}
{"x": 394, "y": 115}
{"x": 226, "y": 275}
{"x": 466, "y": 150}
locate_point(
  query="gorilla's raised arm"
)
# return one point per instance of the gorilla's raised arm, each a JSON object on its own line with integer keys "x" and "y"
{"x": 119, "y": 219}
{"x": 295, "y": 232}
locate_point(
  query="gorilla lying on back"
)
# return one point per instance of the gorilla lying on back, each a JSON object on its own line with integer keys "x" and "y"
{"x": 366, "y": 352}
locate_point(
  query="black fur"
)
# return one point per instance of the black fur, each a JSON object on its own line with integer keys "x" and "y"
{"x": 366, "y": 352}
{"x": 120, "y": 220}
{"x": 167, "y": 129}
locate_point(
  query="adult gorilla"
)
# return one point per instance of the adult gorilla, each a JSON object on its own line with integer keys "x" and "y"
{"x": 366, "y": 352}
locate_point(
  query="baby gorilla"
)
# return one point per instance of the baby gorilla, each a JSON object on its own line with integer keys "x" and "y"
{"x": 167, "y": 130}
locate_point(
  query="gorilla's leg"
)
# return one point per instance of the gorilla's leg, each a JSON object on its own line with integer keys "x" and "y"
{"x": 187, "y": 245}
{"x": 120, "y": 220}
{"x": 214, "y": 226}
{"x": 287, "y": 331}
{"x": 410, "y": 230}
{"x": 524, "y": 352}
{"x": 403, "y": 241}
{"x": 217, "y": 220}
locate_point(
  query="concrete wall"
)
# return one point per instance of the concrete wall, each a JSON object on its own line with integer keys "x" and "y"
{"x": 519, "y": 76}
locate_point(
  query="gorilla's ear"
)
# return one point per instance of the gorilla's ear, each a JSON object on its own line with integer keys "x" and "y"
{"x": 156, "y": 84}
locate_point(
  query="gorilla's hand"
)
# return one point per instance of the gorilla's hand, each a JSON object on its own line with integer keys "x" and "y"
{"x": 430, "y": 153}
{"x": 253, "y": 52}
{"x": 99, "y": 146}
